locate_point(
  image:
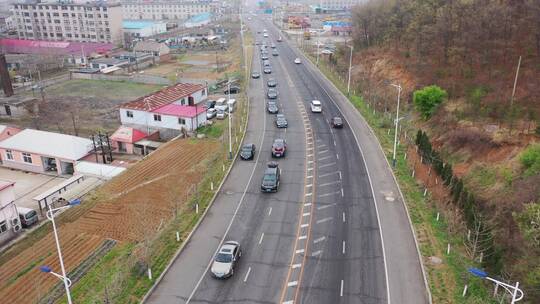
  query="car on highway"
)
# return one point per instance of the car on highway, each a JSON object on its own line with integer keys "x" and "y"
{"x": 264, "y": 57}
{"x": 226, "y": 259}
{"x": 275, "y": 53}
{"x": 316, "y": 106}
{"x": 272, "y": 94}
{"x": 211, "y": 113}
{"x": 247, "y": 152}
{"x": 297, "y": 60}
{"x": 267, "y": 70}
{"x": 270, "y": 180}
{"x": 337, "y": 122}
{"x": 255, "y": 75}
{"x": 232, "y": 90}
{"x": 266, "y": 63}
{"x": 257, "y": 42}
{"x": 279, "y": 39}
{"x": 272, "y": 107}
{"x": 221, "y": 114}
{"x": 265, "y": 35}
{"x": 273, "y": 46}
{"x": 279, "y": 147}
{"x": 271, "y": 83}
{"x": 281, "y": 121}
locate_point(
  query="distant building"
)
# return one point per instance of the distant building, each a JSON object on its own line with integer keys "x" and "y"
{"x": 44, "y": 152}
{"x": 10, "y": 224}
{"x": 168, "y": 111}
{"x": 136, "y": 29}
{"x": 157, "y": 49}
{"x": 98, "y": 21}
{"x": 198, "y": 20}
{"x": 165, "y": 10}
{"x": 338, "y": 5}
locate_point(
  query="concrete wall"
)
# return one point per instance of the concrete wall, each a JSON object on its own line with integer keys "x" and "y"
{"x": 138, "y": 78}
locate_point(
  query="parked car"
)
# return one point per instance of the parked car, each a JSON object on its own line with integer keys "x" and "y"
{"x": 272, "y": 94}
{"x": 233, "y": 90}
{"x": 270, "y": 181}
{"x": 337, "y": 122}
{"x": 211, "y": 113}
{"x": 221, "y": 114}
{"x": 221, "y": 104}
{"x": 272, "y": 108}
{"x": 316, "y": 106}
{"x": 226, "y": 259}
{"x": 271, "y": 83}
{"x": 297, "y": 61}
{"x": 279, "y": 147}
{"x": 210, "y": 104}
{"x": 267, "y": 70}
{"x": 27, "y": 216}
{"x": 281, "y": 121}
{"x": 247, "y": 152}
{"x": 255, "y": 75}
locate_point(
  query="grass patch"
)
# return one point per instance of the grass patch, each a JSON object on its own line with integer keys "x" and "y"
{"x": 214, "y": 130}
{"x": 446, "y": 281}
{"x": 102, "y": 89}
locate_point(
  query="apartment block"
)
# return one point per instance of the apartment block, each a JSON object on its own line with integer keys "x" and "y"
{"x": 337, "y": 5}
{"x": 165, "y": 10}
{"x": 69, "y": 21}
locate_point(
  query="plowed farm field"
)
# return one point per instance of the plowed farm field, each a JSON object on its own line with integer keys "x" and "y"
{"x": 138, "y": 201}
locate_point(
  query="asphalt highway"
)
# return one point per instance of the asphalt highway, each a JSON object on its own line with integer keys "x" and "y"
{"x": 319, "y": 238}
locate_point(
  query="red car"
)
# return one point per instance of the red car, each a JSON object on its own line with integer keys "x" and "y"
{"x": 279, "y": 148}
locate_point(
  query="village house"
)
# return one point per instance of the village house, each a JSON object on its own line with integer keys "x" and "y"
{"x": 43, "y": 152}
{"x": 158, "y": 49}
{"x": 170, "y": 111}
{"x": 10, "y": 224}
{"x": 132, "y": 141}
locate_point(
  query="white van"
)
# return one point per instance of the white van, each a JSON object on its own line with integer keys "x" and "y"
{"x": 27, "y": 216}
{"x": 316, "y": 106}
{"x": 231, "y": 104}
{"x": 221, "y": 114}
{"x": 221, "y": 104}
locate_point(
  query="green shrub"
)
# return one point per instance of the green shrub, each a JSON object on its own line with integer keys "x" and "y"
{"x": 428, "y": 99}
{"x": 530, "y": 159}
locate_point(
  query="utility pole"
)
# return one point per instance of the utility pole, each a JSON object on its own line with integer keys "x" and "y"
{"x": 396, "y": 123}
{"x": 229, "y": 109}
{"x": 515, "y": 83}
{"x": 350, "y": 68}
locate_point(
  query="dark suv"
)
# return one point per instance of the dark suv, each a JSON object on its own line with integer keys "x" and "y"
{"x": 270, "y": 181}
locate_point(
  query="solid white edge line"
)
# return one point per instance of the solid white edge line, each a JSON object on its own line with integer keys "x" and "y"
{"x": 237, "y": 207}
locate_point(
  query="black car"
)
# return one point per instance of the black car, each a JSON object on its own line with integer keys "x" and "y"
{"x": 233, "y": 90}
{"x": 271, "y": 83}
{"x": 255, "y": 75}
{"x": 247, "y": 152}
{"x": 279, "y": 147}
{"x": 272, "y": 108}
{"x": 281, "y": 121}
{"x": 267, "y": 70}
{"x": 210, "y": 104}
{"x": 270, "y": 181}
{"x": 272, "y": 94}
{"x": 337, "y": 122}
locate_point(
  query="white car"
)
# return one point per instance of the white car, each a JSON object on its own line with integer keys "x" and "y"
{"x": 265, "y": 35}
{"x": 226, "y": 259}
{"x": 316, "y": 106}
{"x": 297, "y": 61}
{"x": 221, "y": 114}
{"x": 211, "y": 113}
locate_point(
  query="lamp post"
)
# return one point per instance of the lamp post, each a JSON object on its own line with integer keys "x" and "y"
{"x": 318, "y": 43}
{"x": 517, "y": 294}
{"x": 350, "y": 67}
{"x": 396, "y": 123}
{"x": 63, "y": 277}
{"x": 229, "y": 109}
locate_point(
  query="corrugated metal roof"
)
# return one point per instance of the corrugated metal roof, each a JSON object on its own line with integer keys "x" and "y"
{"x": 163, "y": 97}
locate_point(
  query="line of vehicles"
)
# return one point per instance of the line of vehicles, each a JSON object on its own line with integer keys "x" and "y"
{"x": 230, "y": 252}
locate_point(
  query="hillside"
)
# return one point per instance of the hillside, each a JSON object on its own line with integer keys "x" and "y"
{"x": 471, "y": 49}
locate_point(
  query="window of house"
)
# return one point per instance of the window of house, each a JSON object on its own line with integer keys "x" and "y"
{"x": 27, "y": 158}
{"x": 9, "y": 154}
{"x": 181, "y": 121}
{"x": 203, "y": 92}
{"x": 8, "y": 110}
{"x": 3, "y": 226}
{"x": 129, "y": 114}
{"x": 157, "y": 117}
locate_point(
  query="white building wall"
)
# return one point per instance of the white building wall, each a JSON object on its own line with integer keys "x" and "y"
{"x": 8, "y": 214}
{"x": 182, "y": 10}
{"x": 145, "y": 120}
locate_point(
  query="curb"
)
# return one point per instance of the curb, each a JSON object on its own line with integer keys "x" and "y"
{"x": 428, "y": 291}
{"x": 203, "y": 215}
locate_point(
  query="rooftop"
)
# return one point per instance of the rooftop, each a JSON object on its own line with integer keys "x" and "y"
{"x": 41, "y": 47}
{"x": 138, "y": 24}
{"x": 5, "y": 184}
{"x": 49, "y": 144}
{"x": 111, "y": 61}
{"x": 180, "y": 111}
{"x": 128, "y": 134}
{"x": 164, "y": 97}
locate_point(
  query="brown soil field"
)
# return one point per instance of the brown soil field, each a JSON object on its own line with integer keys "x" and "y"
{"x": 139, "y": 201}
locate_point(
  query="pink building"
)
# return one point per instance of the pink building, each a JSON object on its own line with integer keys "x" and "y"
{"x": 7, "y": 131}
{"x": 125, "y": 139}
{"x": 43, "y": 152}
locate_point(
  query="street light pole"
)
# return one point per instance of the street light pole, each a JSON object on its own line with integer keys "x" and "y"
{"x": 350, "y": 67}
{"x": 517, "y": 294}
{"x": 229, "y": 109}
{"x": 396, "y": 123}
{"x": 318, "y": 42}
{"x": 65, "y": 279}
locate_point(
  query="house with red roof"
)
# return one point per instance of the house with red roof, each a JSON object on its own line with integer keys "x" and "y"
{"x": 132, "y": 141}
{"x": 170, "y": 111}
